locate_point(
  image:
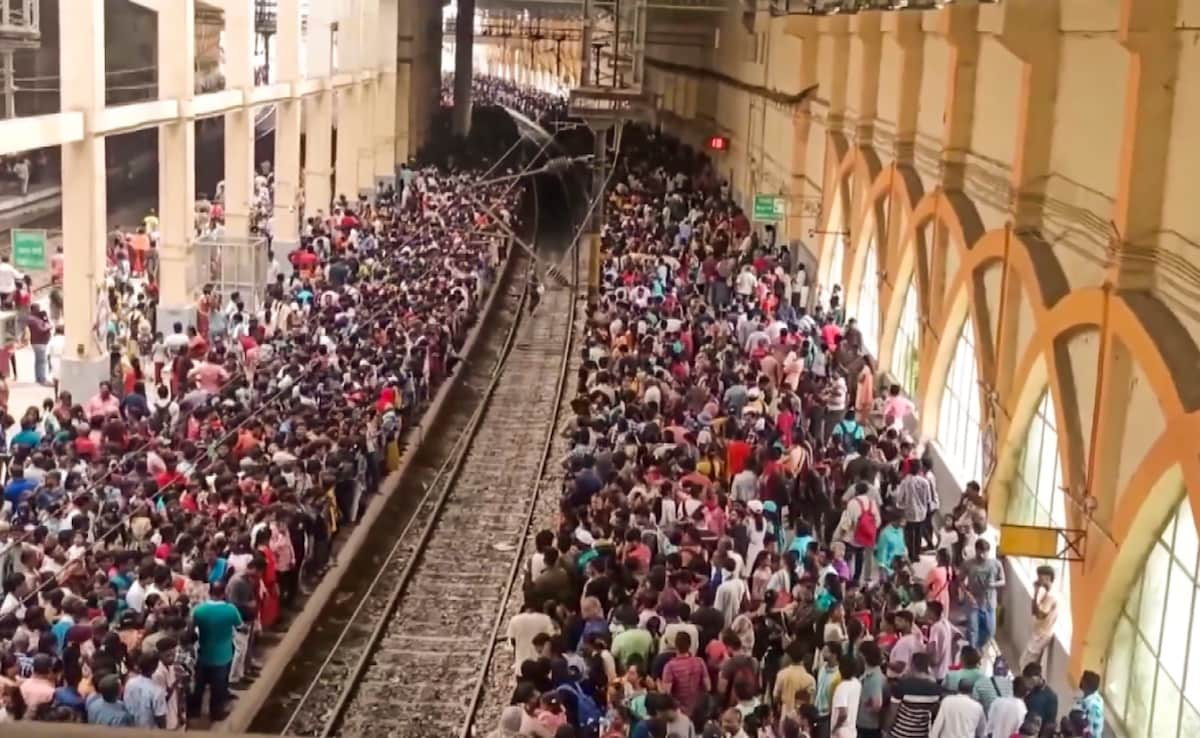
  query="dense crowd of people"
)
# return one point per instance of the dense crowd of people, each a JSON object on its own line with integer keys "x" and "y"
{"x": 750, "y": 543}
{"x": 491, "y": 90}
{"x": 154, "y": 530}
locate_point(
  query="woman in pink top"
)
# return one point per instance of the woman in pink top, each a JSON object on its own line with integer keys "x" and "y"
{"x": 896, "y": 408}
{"x": 937, "y": 582}
{"x": 209, "y": 376}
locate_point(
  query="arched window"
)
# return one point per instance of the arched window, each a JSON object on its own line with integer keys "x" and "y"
{"x": 1152, "y": 683}
{"x": 1037, "y": 499}
{"x": 867, "y": 312}
{"x": 959, "y": 420}
{"x": 906, "y": 352}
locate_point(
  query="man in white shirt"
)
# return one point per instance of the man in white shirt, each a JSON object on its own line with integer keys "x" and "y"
{"x": 843, "y": 720}
{"x": 9, "y": 277}
{"x": 1007, "y": 713}
{"x": 524, "y": 627}
{"x": 731, "y": 593}
{"x": 15, "y": 589}
{"x": 959, "y": 716}
{"x": 941, "y": 641}
{"x": 1045, "y": 615}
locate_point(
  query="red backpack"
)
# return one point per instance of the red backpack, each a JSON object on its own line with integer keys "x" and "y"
{"x": 866, "y": 530}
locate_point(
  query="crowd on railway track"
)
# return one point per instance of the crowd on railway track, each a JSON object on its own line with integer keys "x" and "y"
{"x": 750, "y": 541}
{"x": 155, "y": 531}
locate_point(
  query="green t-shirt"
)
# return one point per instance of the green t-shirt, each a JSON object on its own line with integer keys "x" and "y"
{"x": 957, "y": 676}
{"x": 215, "y": 623}
{"x": 632, "y": 642}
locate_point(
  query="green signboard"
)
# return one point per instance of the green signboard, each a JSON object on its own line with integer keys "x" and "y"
{"x": 29, "y": 249}
{"x": 769, "y": 208}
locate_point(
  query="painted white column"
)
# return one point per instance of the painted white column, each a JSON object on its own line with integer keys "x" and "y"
{"x": 345, "y": 170}
{"x": 239, "y": 123}
{"x": 388, "y": 32}
{"x": 368, "y": 89}
{"x": 84, "y": 201}
{"x": 318, "y": 111}
{"x": 178, "y": 279}
{"x": 287, "y": 214}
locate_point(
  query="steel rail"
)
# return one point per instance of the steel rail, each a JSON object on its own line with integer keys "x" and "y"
{"x": 402, "y": 539}
{"x": 448, "y": 478}
{"x": 447, "y": 475}
{"x": 539, "y": 478}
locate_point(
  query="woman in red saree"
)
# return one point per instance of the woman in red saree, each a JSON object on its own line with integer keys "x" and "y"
{"x": 268, "y": 604}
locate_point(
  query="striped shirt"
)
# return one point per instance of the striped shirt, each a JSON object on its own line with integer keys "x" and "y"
{"x": 686, "y": 679}
{"x": 918, "y": 698}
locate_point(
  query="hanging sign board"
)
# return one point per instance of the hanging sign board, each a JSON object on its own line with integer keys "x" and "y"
{"x": 29, "y": 249}
{"x": 769, "y": 208}
{"x": 607, "y": 105}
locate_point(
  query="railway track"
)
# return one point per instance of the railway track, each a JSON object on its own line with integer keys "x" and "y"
{"x": 410, "y": 659}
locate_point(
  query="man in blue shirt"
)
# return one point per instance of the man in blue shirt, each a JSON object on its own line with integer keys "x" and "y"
{"x": 28, "y": 436}
{"x": 105, "y": 706}
{"x": 145, "y": 699}
{"x": 1091, "y": 704}
{"x": 18, "y": 486}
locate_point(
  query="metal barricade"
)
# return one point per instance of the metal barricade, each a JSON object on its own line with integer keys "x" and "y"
{"x": 232, "y": 264}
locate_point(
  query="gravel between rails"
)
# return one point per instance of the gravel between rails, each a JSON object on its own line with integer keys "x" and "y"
{"x": 423, "y": 676}
{"x": 501, "y": 677}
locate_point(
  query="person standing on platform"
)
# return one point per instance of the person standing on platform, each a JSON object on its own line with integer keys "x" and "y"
{"x": 1045, "y": 615}
{"x": 216, "y": 622}
{"x": 40, "y": 334}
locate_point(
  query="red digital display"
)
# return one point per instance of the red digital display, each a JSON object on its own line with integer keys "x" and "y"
{"x": 718, "y": 143}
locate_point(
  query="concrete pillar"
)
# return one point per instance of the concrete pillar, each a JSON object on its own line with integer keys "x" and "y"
{"x": 367, "y": 57}
{"x": 318, "y": 111}
{"x": 387, "y": 30}
{"x": 464, "y": 48}
{"x": 345, "y": 171}
{"x": 239, "y": 123}
{"x": 866, "y": 49}
{"x": 286, "y": 216}
{"x": 177, "y": 169}
{"x": 403, "y": 112}
{"x": 904, "y": 30}
{"x": 958, "y": 25}
{"x": 1148, "y": 34}
{"x": 85, "y": 360}
{"x": 1030, "y": 32}
{"x": 426, "y": 70}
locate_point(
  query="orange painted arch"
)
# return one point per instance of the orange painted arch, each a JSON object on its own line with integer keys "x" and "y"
{"x": 1101, "y": 584}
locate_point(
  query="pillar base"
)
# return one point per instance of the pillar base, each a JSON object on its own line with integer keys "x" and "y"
{"x": 82, "y": 377}
{"x": 280, "y": 251}
{"x": 169, "y": 315}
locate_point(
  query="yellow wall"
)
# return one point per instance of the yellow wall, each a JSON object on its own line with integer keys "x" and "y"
{"x": 1040, "y": 159}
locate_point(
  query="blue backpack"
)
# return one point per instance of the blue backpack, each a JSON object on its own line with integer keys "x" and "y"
{"x": 587, "y": 713}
